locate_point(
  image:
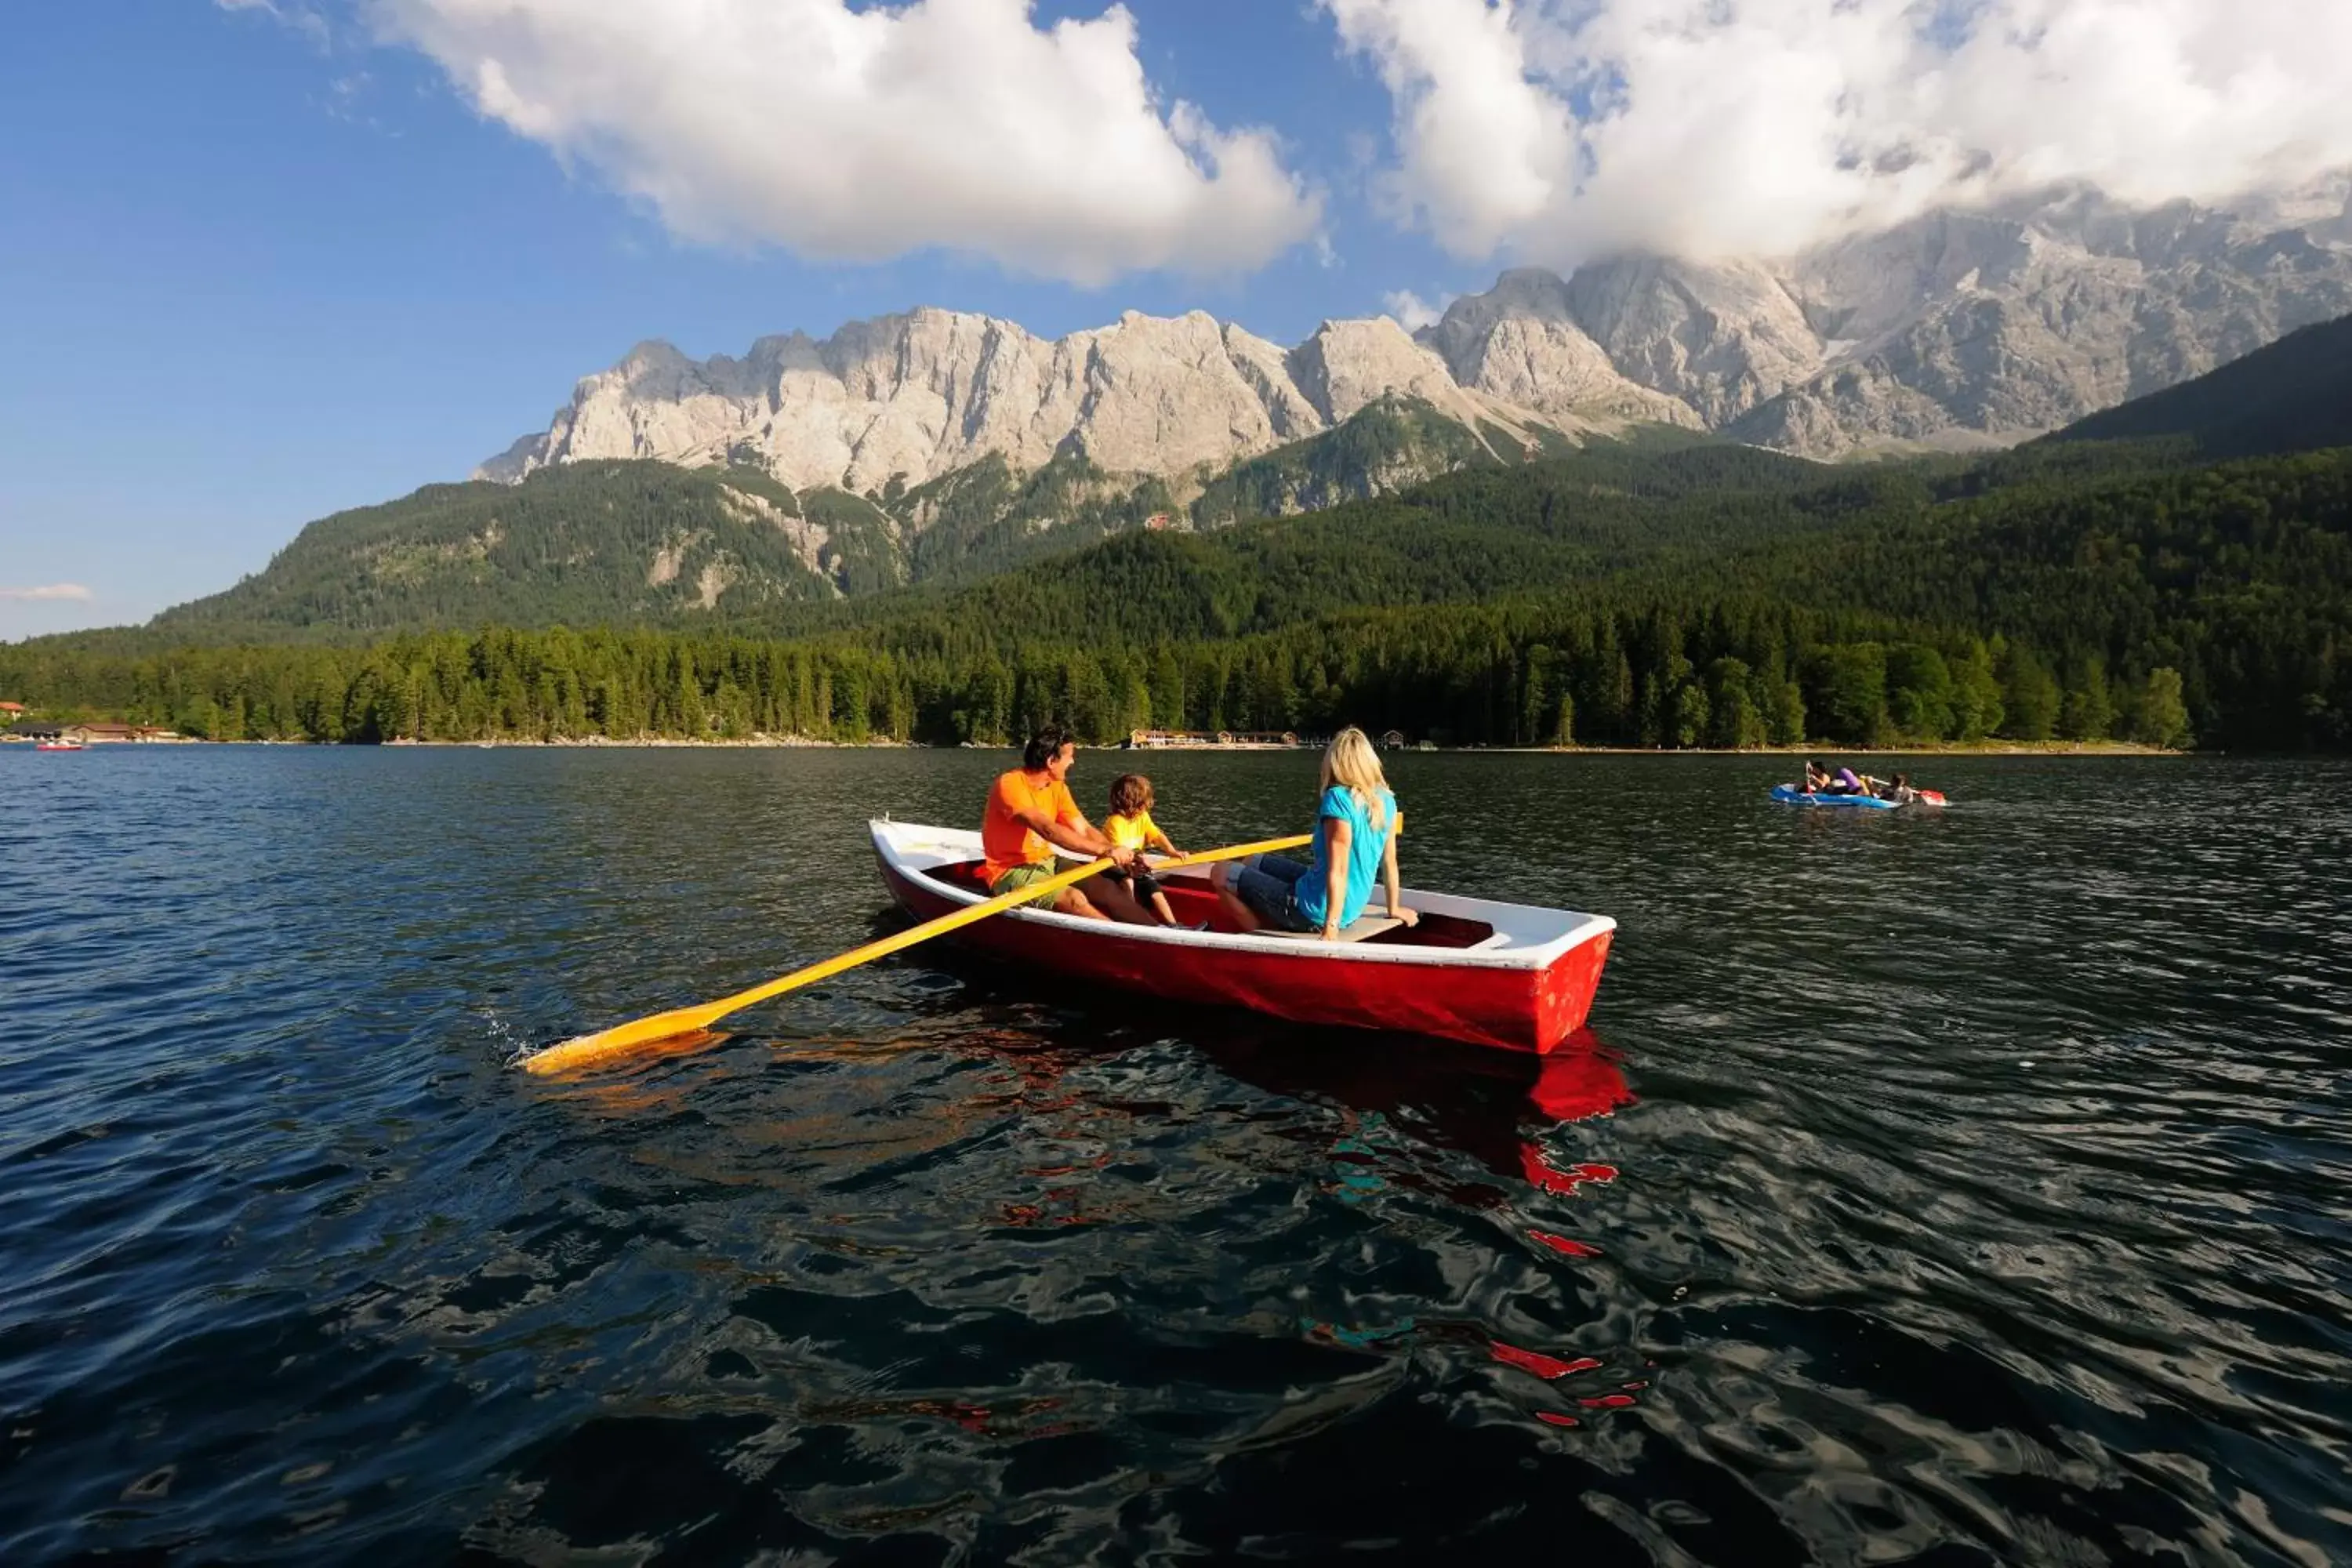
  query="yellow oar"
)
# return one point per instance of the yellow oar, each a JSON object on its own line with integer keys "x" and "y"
{"x": 586, "y": 1050}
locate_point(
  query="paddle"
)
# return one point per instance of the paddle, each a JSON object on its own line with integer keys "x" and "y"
{"x": 587, "y": 1050}
{"x": 1927, "y": 796}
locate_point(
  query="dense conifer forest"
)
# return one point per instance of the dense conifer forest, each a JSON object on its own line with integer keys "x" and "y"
{"x": 1713, "y": 596}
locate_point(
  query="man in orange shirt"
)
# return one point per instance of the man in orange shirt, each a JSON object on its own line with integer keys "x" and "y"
{"x": 1029, "y": 812}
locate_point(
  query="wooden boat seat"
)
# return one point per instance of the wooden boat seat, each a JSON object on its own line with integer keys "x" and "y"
{"x": 1366, "y": 926}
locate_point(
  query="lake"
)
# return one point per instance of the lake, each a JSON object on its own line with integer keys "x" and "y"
{"x": 1959, "y": 1187}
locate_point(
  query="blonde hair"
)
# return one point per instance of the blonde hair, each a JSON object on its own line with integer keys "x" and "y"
{"x": 1351, "y": 762}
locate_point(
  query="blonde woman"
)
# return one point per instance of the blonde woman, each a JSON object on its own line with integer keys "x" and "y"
{"x": 1355, "y": 844}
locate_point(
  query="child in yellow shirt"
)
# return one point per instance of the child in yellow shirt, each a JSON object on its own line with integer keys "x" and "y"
{"x": 1129, "y": 825}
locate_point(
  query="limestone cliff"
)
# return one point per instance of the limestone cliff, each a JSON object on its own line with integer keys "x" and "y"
{"x": 1956, "y": 329}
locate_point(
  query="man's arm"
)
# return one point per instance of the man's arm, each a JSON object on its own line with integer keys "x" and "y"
{"x": 1078, "y": 837}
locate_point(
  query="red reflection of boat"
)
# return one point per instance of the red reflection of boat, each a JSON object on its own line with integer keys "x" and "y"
{"x": 1541, "y": 1365}
{"x": 1563, "y": 1245}
{"x": 1580, "y": 1080}
{"x": 1543, "y": 1173}
{"x": 1472, "y": 970}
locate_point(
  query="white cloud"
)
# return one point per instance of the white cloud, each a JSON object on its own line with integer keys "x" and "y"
{"x": 294, "y": 14}
{"x": 1412, "y": 312}
{"x": 1562, "y": 129}
{"x": 52, "y": 591}
{"x": 858, "y": 134}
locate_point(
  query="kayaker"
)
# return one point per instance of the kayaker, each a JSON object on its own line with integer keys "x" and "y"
{"x": 1816, "y": 778}
{"x": 1029, "y": 812}
{"x": 1847, "y": 782}
{"x": 1903, "y": 794}
{"x": 1355, "y": 845}
{"x": 1129, "y": 825}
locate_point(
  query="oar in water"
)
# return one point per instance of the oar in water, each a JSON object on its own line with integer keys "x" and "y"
{"x": 588, "y": 1050}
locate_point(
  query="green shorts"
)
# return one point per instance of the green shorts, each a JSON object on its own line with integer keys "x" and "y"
{"x": 1022, "y": 877}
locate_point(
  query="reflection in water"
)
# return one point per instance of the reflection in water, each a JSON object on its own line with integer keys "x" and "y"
{"x": 2008, "y": 1225}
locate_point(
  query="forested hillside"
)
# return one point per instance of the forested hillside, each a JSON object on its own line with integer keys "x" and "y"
{"x": 590, "y": 544}
{"x": 651, "y": 543}
{"x": 1716, "y": 598}
{"x": 2293, "y": 396}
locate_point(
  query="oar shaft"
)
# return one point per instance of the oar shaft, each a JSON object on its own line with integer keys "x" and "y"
{"x": 587, "y": 1050}
{"x": 898, "y": 941}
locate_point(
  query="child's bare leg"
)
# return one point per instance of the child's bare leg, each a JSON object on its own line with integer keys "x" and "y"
{"x": 1160, "y": 907}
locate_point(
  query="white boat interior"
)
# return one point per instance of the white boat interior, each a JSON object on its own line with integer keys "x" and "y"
{"x": 1453, "y": 930}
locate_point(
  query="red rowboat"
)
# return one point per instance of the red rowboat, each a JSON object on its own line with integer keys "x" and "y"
{"x": 1472, "y": 970}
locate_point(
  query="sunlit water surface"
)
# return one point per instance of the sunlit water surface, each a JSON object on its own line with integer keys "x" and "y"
{"x": 1959, "y": 1187}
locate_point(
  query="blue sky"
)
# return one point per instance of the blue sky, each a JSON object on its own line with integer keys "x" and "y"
{"x": 261, "y": 260}
{"x": 249, "y": 279}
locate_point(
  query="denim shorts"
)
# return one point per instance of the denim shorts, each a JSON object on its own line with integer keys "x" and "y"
{"x": 1270, "y": 889}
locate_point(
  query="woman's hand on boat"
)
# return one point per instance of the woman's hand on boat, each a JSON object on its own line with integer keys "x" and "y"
{"x": 1409, "y": 917}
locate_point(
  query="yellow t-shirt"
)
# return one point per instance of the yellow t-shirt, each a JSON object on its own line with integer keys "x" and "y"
{"x": 1131, "y": 832}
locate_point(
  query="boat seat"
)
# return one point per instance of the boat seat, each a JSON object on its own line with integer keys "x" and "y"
{"x": 1368, "y": 926}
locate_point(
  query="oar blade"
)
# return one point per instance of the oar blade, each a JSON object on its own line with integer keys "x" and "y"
{"x": 594, "y": 1051}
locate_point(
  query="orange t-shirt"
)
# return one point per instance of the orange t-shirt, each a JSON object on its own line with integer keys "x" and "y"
{"x": 1003, "y": 836}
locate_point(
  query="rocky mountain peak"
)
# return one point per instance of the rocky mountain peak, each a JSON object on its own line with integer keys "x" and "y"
{"x": 1959, "y": 327}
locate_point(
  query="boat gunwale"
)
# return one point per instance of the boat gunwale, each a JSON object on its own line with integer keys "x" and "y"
{"x": 1581, "y": 927}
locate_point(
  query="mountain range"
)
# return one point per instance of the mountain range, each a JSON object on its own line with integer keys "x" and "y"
{"x": 936, "y": 448}
{"x": 1959, "y": 330}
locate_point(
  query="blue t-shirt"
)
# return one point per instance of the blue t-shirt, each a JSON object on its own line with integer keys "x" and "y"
{"x": 1365, "y": 845}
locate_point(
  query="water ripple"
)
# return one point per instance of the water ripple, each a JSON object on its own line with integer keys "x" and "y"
{"x": 1965, "y": 1186}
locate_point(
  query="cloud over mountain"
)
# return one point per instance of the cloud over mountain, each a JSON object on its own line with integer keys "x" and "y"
{"x": 1559, "y": 130}
{"x": 858, "y": 133}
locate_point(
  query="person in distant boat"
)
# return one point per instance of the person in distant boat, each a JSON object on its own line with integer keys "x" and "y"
{"x": 1029, "y": 812}
{"x": 1901, "y": 793}
{"x": 1129, "y": 825}
{"x": 1355, "y": 845}
{"x": 1845, "y": 781}
{"x": 1817, "y": 778}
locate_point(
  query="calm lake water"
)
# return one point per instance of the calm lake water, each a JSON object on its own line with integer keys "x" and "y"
{"x": 1959, "y": 1187}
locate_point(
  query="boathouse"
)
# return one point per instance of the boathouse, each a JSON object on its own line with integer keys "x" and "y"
{"x": 1154, "y": 740}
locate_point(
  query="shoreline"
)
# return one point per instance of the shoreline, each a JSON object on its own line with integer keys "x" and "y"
{"x": 797, "y": 743}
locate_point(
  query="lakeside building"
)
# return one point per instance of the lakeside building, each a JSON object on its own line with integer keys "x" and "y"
{"x": 1153, "y": 740}
{"x": 95, "y": 733}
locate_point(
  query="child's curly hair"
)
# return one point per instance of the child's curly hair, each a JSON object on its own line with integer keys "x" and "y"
{"x": 1129, "y": 793}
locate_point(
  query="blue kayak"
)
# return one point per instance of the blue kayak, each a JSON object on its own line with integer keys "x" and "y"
{"x": 1790, "y": 795}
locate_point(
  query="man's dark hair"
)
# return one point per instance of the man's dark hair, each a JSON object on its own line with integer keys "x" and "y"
{"x": 1045, "y": 746}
